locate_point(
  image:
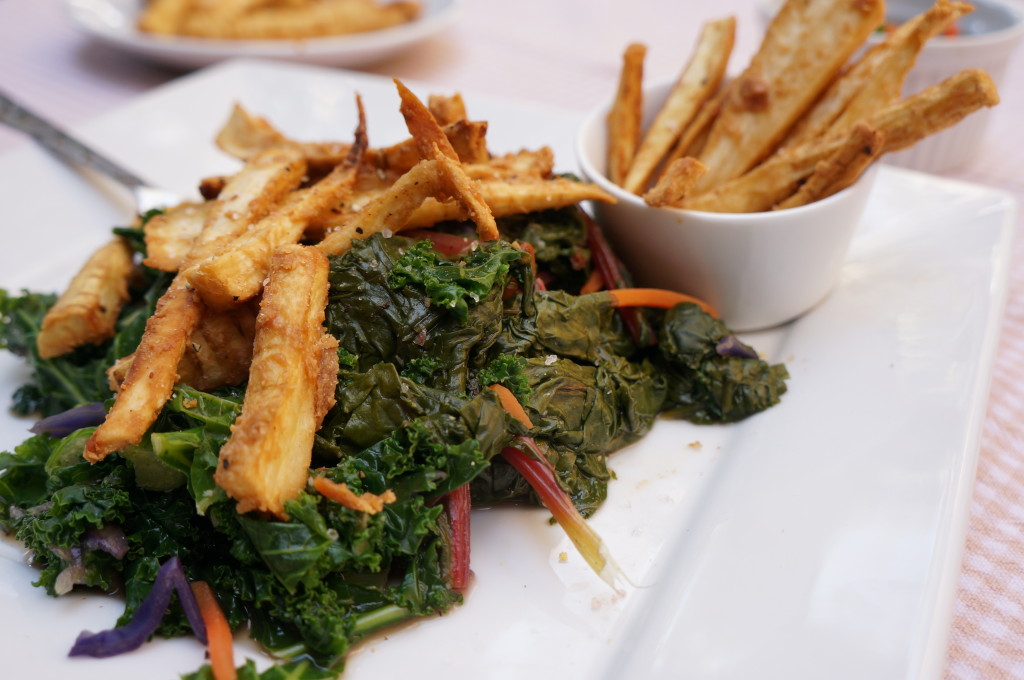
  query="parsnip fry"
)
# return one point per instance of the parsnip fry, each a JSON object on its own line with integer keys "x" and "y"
{"x": 806, "y": 44}
{"x": 433, "y": 144}
{"x": 886, "y": 81}
{"x": 86, "y": 313}
{"x": 389, "y": 211}
{"x": 903, "y": 123}
{"x": 248, "y": 196}
{"x": 266, "y": 460}
{"x": 503, "y": 197}
{"x": 237, "y": 274}
{"x": 875, "y": 79}
{"x": 169, "y": 236}
{"x": 427, "y": 134}
{"x": 675, "y": 183}
{"x": 219, "y": 350}
{"x": 164, "y": 16}
{"x": 624, "y": 118}
{"x": 309, "y": 21}
{"x": 698, "y": 82}
{"x": 841, "y": 169}
{"x": 152, "y": 374}
{"x": 447, "y": 109}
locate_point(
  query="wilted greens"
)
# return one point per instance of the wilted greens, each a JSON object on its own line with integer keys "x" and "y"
{"x": 421, "y": 336}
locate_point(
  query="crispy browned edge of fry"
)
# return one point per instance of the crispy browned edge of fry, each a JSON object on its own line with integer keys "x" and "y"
{"x": 698, "y": 81}
{"x": 677, "y": 180}
{"x": 804, "y": 47}
{"x": 266, "y": 459}
{"x": 841, "y": 169}
{"x": 626, "y": 113}
{"x": 86, "y": 313}
{"x": 886, "y": 65}
{"x": 904, "y": 123}
{"x": 425, "y": 131}
{"x": 433, "y": 143}
{"x": 447, "y": 109}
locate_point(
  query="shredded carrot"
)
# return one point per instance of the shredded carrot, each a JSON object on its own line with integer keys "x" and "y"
{"x": 369, "y": 503}
{"x": 511, "y": 404}
{"x": 594, "y": 282}
{"x": 655, "y": 297}
{"x": 220, "y": 641}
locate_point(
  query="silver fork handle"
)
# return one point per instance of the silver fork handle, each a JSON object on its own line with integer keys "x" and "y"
{"x": 58, "y": 142}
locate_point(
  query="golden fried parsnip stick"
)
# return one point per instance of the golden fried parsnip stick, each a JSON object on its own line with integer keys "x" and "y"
{"x": 237, "y": 274}
{"x": 219, "y": 350}
{"x": 244, "y": 135}
{"x": 247, "y": 197}
{"x": 886, "y": 80}
{"x": 525, "y": 165}
{"x": 217, "y": 353}
{"x": 86, "y": 313}
{"x": 170, "y": 235}
{"x": 433, "y": 144}
{"x": 266, "y": 460}
{"x": 903, "y": 124}
{"x": 425, "y": 131}
{"x": 626, "y": 114}
{"x": 503, "y": 197}
{"x": 698, "y": 81}
{"x": 164, "y": 16}
{"x": 806, "y": 44}
{"x": 692, "y": 141}
{"x": 675, "y": 183}
{"x": 152, "y": 374}
{"x": 887, "y": 63}
{"x": 447, "y": 109}
{"x": 841, "y": 169}
{"x": 310, "y": 21}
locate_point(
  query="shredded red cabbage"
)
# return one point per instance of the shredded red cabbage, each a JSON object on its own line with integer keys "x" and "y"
{"x": 62, "y": 424}
{"x": 147, "y": 617}
{"x": 730, "y": 346}
{"x": 110, "y": 539}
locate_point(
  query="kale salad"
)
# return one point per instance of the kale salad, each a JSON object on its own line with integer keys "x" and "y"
{"x": 466, "y": 373}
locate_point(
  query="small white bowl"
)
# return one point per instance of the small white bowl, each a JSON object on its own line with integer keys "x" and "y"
{"x": 758, "y": 269}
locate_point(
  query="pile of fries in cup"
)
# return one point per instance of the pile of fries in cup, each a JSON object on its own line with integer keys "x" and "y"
{"x": 801, "y": 123}
{"x": 272, "y": 19}
{"x": 247, "y": 301}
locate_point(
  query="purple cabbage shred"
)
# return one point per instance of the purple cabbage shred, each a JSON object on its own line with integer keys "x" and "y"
{"x": 62, "y": 424}
{"x": 730, "y": 346}
{"x": 147, "y": 617}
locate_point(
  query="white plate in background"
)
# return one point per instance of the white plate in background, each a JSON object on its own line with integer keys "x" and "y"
{"x": 820, "y": 539}
{"x": 114, "y": 23}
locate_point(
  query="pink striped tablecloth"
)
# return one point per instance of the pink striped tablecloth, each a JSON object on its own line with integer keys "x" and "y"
{"x": 566, "y": 54}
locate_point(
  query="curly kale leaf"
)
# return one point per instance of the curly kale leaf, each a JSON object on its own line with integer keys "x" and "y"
{"x": 454, "y": 285}
{"x": 506, "y": 370}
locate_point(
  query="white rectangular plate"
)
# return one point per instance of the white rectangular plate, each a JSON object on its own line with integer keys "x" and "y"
{"x": 819, "y": 539}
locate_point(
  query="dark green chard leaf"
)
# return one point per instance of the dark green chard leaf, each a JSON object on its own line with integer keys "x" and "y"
{"x": 705, "y": 385}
